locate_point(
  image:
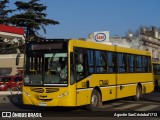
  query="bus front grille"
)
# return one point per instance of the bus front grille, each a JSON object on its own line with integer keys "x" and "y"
{"x": 50, "y": 90}
{"x": 46, "y": 90}
{"x": 38, "y": 90}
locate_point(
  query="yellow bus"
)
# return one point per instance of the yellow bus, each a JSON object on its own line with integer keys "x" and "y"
{"x": 156, "y": 71}
{"x": 77, "y": 73}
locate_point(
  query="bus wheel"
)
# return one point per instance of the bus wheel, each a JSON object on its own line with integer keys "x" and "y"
{"x": 138, "y": 95}
{"x": 95, "y": 101}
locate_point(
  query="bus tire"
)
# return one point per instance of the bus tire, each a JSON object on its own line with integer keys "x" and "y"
{"x": 138, "y": 95}
{"x": 95, "y": 101}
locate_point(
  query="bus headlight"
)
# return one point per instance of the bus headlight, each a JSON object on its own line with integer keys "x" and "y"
{"x": 62, "y": 95}
{"x": 26, "y": 79}
{"x": 27, "y": 94}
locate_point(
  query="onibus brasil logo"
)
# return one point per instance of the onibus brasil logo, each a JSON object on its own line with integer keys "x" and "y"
{"x": 21, "y": 115}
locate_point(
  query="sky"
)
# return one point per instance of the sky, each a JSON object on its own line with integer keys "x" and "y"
{"x": 79, "y": 18}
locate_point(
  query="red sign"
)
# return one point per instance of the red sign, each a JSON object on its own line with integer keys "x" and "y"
{"x": 11, "y": 29}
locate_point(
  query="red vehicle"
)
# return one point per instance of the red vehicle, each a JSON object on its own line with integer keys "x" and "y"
{"x": 6, "y": 82}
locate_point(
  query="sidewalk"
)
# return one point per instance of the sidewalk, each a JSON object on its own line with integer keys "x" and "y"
{"x": 6, "y": 97}
{"x": 2, "y": 93}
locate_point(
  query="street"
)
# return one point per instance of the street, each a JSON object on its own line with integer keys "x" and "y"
{"x": 149, "y": 104}
{"x": 115, "y": 105}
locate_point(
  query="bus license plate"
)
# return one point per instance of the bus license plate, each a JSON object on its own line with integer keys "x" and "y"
{"x": 42, "y": 104}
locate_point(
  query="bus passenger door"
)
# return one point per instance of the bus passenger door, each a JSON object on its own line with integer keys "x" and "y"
{"x": 82, "y": 82}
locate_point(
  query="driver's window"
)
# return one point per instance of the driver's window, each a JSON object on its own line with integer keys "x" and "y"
{"x": 55, "y": 68}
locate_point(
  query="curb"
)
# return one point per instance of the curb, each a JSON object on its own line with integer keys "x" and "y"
{"x": 7, "y": 97}
{"x": 5, "y": 93}
{"x": 4, "y": 96}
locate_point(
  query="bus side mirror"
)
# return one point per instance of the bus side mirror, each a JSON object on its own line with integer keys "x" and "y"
{"x": 17, "y": 58}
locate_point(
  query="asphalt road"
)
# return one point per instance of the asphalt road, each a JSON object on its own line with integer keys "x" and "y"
{"x": 110, "y": 110}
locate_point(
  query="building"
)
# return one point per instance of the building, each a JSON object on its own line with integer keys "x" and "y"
{"x": 148, "y": 39}
{"x": 9, "y": 34}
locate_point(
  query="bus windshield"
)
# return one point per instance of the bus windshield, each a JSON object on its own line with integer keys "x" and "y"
{"x": 46, "y": 69}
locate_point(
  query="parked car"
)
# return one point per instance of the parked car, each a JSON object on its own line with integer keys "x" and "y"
{"x": 6, "y": 82}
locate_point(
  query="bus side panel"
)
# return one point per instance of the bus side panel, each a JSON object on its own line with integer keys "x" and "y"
{"x": 82, "y": 92}
{"x": 147, "y": 87}
{"x": 126, "y": 90}
{"x": 108, "y": 90}
{"x": 70, "y": 100}
{"x": 127, "y": 83}
{"x": 105, "y": 82}
{"x": 108, "y": 93}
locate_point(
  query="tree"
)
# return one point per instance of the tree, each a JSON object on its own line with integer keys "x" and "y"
{"x": 4, "y": 19}
{"x": 32, "y": 18}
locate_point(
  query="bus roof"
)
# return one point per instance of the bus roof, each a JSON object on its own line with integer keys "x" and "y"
{"x": 99, "y": 46}
{"x": 94, "y": 45}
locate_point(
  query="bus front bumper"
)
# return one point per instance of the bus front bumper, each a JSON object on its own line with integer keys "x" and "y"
{"x": 60, "y": 101}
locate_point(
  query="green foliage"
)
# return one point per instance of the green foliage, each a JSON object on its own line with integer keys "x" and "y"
{"x": 4, "y": 12}
{"x": 32, "y": 17}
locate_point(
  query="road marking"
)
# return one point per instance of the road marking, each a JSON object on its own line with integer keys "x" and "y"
{"x": 146, "y": 108}
{"x": 140, "y": 102}
{"x": 112, "y": 105}
{"x": 127, "y": 106}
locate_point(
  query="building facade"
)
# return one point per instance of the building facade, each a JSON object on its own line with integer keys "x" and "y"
{"x": 150, "y": 40}
{"x": 147, "y": 39}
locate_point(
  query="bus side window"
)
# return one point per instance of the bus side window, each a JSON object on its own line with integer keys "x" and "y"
{"x": 100, "y": 62}
{"x": 122, "y": 62}
{"x": 145, "y": 64}
{"x": 139, "y": 63}
{"x": 111, "y": 62}
{"x": 149, "y": 64}
{"x": 131, "y": 63}
{"x": 91, "y": 61}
